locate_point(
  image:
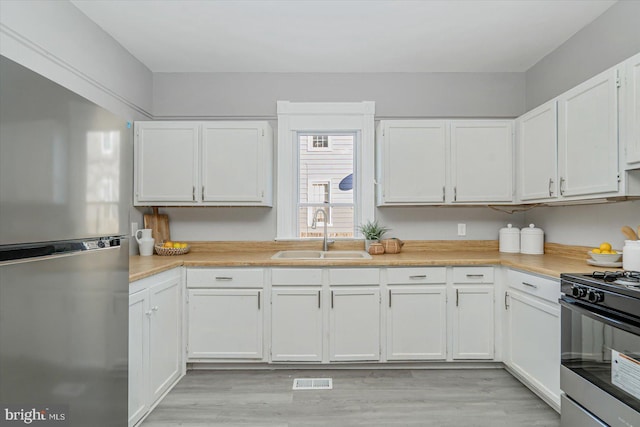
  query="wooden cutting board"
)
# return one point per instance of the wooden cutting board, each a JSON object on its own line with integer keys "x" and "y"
{"x": 159, "y": 225}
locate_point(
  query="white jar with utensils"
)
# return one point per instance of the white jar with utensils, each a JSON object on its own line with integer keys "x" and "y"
{"x": 631, "y": 255}
{"x": 509, "y": 239}
{"x": 532, "y": 240}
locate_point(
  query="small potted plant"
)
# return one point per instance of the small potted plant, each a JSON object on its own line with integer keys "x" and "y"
{"x": 372, "y": 232}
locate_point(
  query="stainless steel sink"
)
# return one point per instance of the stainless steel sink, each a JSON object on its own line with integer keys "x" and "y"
{"x": 321, "y": 255}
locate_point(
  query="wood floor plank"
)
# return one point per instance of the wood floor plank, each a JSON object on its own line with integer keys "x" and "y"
{"x": 430, "y": 398}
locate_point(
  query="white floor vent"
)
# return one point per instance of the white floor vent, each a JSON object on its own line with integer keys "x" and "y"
{"x": 313, "y": 384}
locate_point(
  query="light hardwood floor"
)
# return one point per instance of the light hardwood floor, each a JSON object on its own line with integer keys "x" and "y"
{"x": 438, "y": 398}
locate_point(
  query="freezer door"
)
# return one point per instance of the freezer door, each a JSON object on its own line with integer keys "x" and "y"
{"x": 64, "y": 334}
{"x": 66, "y": 165}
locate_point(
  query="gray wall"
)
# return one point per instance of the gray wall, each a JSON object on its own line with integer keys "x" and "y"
{"x": 243, "y": 95}
{"x": 610, "y": 39}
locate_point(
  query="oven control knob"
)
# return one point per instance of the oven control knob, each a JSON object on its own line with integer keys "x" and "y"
{"x": 595, "y": 296}
{"x": 578, "y": 291}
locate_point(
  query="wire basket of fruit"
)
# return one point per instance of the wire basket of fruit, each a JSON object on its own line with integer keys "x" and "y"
{"x": 172, "y": 248}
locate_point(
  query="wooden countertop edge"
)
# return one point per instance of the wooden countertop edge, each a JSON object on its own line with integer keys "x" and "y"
{"x": 548, "y": 264}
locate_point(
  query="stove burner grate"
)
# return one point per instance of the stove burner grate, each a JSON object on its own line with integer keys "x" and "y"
{"x": 629, "y": 277}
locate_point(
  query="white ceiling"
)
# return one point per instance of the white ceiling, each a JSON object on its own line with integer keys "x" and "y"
{"x": 341, "y": 35}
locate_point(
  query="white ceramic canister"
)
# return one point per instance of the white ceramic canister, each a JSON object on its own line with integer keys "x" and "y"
{"x": 509, "y": 239}
{"x": 532, "y": 240}
{"x": 631, "y": 255}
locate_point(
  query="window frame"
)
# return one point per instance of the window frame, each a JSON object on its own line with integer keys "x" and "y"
{"x": 323, "y": 117}
{"x": 311, "y": 147}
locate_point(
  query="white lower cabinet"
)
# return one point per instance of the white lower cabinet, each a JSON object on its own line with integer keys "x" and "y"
{"x": 473, "y": 314}
{"x": 533, "y": 333}
{"x": 155, "y": 340}
{"x": 296, "y": 325}
{"x": 225, "y": 324}
{"x": 416, "y": 314}
{"x": 354, "y": 331}
{"x": 225, "y": 308}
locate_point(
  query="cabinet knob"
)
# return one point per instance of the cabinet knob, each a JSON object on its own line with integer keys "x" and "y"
{"x": 155, "y": 308}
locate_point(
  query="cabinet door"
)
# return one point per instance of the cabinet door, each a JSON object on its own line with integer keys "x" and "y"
{"x": 354, "y": 319}
{"x": 534, "y": 342}
{"x": 165, "y": 335}
{"x": 416, "y": 323}
{"x": 225, "y": 324}
{"x": 588, "y": 137}
{"x": 538, "y": 159}
{"x": 632, "y": 94}
{"x": 473, "y": 325}
{"x": 413, "y": 160}
{"x": 138, "y": 356}
{"x": 482, "y": 160}
{"x": 296, "y": 325}
{"x": 166, "y": 168}
{"x": 233, "y": 162}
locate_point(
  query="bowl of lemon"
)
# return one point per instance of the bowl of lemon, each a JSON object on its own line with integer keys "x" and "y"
{"x": 604, "y": 254}
{"x": 169, "y": 248}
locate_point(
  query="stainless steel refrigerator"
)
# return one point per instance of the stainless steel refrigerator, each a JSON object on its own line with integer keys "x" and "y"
{"x": 66, "y": 169}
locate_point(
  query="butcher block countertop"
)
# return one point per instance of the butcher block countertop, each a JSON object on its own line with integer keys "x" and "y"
{"x": 557, "y": 258}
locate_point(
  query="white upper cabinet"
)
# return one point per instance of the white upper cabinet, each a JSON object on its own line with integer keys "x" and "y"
{"x": 412, "y": 163}
{"x": 632, "y": 116}
{"x": 166, "y": 162}
{"x": 482, "y": 161}
{"x": 588, "y": 137}
{"x": 234, "y": 162}
{"x": 538, "y": 153}
{"x": 444, "y": 161}
{"x": 203, "y": 163}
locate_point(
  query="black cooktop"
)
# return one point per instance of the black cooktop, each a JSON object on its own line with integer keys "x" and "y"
{"x": 614, "y": 290}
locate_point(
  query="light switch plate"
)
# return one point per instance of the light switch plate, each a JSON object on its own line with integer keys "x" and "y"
{"x": 462, "y": 229}
{"x": 134, "y": 228}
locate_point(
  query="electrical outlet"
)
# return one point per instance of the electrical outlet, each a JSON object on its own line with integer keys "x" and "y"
{"x": 462, "y": 229}
{"x": 134, "y": 228}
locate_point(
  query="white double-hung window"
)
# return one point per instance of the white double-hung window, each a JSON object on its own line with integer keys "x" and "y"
{"x": 325, "y": 169}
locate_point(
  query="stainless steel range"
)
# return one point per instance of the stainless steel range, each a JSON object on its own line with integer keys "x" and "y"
{"x": 600, "y": 367}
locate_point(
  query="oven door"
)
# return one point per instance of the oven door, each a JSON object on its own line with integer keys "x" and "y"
{"x": 600, "y": 362}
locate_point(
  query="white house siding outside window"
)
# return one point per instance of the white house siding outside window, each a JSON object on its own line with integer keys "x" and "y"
{"x": 325, "y": 181}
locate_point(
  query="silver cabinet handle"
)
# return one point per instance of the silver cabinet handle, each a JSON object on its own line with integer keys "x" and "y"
{"x": 389, "y": 297}
{"x": 455, "y": 193}
{"x": 562, "y": 181}
{"x": 530, "y": 285}
{"x": 223, "y": 278}
{"x": 550, "y": 184}
{"x": 331, "y": 299}
{"x": 202, "y": 193}
{"x": 418, "y": 277}
{"x": 318, "y": 299}
{"x": 475, "y": 276}
{"x": 193, "y": 193}
{"x": 506, "y": 301}
{"x": 258, "y": 300}
{"x": 443, "y": 193}
{"x": 457, "y": 297}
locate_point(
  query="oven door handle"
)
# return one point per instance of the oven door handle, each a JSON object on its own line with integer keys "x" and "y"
{"x": 611, "y": 321}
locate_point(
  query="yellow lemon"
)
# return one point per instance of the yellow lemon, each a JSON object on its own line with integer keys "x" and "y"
{"x": 596, "y": 250}
{"x": 183, "y": 245}
{"x": 613, "y": 252}
{"x": 167, "y": 244}
{"x": 605, "y": 252}
{"x": 605, "y": 246}
{"x": 176, "y": 245}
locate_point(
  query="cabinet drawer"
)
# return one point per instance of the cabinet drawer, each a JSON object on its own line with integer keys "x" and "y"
{"x": 224, "y": 277}
{"x": 542, "y": 287}
{"x": 354, "y": 276}
{"x": 296, "y": 276}
{"x": 472, "y": 274}
{"x": 406, "y": 276}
